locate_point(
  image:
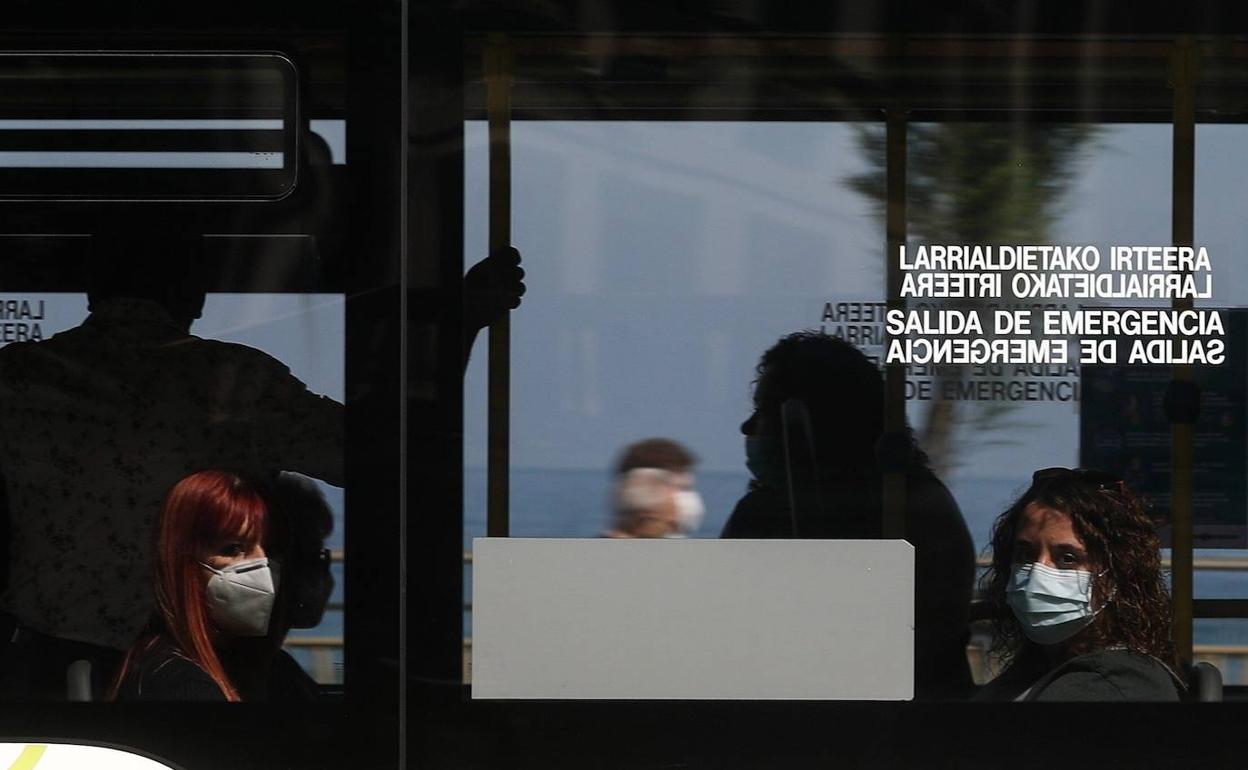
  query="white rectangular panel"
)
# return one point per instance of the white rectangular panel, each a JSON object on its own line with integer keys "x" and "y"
{"x": 693, "y": 619}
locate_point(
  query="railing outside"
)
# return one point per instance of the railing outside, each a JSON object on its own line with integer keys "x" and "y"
{"x": 321, "y": 649}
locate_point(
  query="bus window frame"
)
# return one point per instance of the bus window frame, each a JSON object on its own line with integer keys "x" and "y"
{"x": 19, "y": 184}
{"x": 364, "y": 727}
{"x": 748, "y": 732}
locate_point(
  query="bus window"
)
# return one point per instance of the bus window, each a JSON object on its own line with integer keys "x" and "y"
{"x": 304, "y": 331}
{"x": 260, "y": 291}
{"x": 203, "y": 273}
{"x": 678, "y": 248}
{"x": 662, "y": 259}
{"x": 1008, "y": 175}
{"x": 1220, "y": 571}
{"x": 173, "y": 125}
{"x": 986, "y": 428}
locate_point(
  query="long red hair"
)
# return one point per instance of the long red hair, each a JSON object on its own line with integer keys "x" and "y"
{"x": 199, "y": 513}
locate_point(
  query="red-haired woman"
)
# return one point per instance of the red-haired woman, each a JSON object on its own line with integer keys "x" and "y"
{"x": 215, "y": 593}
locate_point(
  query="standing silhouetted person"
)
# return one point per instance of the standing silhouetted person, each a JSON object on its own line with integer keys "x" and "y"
{"x": 843, "y": 393}
{"x": 98, "y": 422}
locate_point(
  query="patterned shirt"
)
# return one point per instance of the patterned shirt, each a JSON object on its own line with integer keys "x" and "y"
{"x": 98, "y": 422}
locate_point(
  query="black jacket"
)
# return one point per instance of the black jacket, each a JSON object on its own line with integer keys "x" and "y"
{"x": 943, "y": 553}
{"x": 163, "y": 674}
{"x": 1107, "y": 675}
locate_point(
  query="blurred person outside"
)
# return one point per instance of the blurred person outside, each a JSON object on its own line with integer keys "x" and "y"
{"x": 843, "y": 393}
{"x": 1080, "y": 607}
{"x": 654, "y": 494}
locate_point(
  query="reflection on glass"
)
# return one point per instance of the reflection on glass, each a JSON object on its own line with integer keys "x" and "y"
{"x": 305, "y": 331}
{"x": 662, "y": 259}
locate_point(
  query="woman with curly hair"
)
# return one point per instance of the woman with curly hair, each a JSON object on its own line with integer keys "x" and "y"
{"x": 1080, "y": 607}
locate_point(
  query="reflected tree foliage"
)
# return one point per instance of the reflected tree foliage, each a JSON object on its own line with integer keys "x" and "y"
{"x": 975, "y": 183}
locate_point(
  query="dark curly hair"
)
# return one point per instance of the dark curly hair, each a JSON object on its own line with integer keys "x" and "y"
{"x": 1121, "y": 541}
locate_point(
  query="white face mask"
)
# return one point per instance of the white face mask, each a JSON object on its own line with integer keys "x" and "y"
{"x": 689, "y": 511}
{"x": 1051, "y": 604}
{"x": 241, "y": 596}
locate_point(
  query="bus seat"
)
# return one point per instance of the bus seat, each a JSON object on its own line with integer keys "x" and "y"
{"x": 78, "y": 681}
{"x": 802, "y": 472}
{"x": 1204, "y": 682}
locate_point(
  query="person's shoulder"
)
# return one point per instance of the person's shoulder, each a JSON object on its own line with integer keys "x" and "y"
{"x": 1111, "y": 675}
{"x": 760, "y": 513}
{"x": 933, "y": 515}
{"x": 222, "y": 356}
{"x": 27, "y": 348}
{"x": 231, "y": 350}
{"x": 178, "y": 678}
{"x": 31, "y": 359}
{"x": 1007, "y": 686}
{"x": 924, "y": 486}
{"x": 168, "y": 675}
{"x": 289, "y": 682}
{"x": 13, "y": 352}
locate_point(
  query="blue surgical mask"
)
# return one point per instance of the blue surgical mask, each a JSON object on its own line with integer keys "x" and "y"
{"x": 765, "y": 460}
{"x": 1051, "y": 604}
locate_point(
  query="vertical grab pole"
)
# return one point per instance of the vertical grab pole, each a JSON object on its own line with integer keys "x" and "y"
{"x": 894, "y": 374}
{"x": 498, "y": 68}
{"x": 1182, "y": 429}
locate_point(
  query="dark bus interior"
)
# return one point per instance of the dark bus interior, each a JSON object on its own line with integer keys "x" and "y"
{"x": 385, "y": 230}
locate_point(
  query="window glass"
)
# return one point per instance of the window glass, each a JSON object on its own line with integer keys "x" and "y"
{"x": 986, "y": 429}
{"x": 101, "y": 421}
{"x": 1023, "y": 183}
{"x": 1219, "y": 194}
{"x": 306, "y": 332}
{"x": 127, "y": 126}
{"x": 662, "y": 259}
